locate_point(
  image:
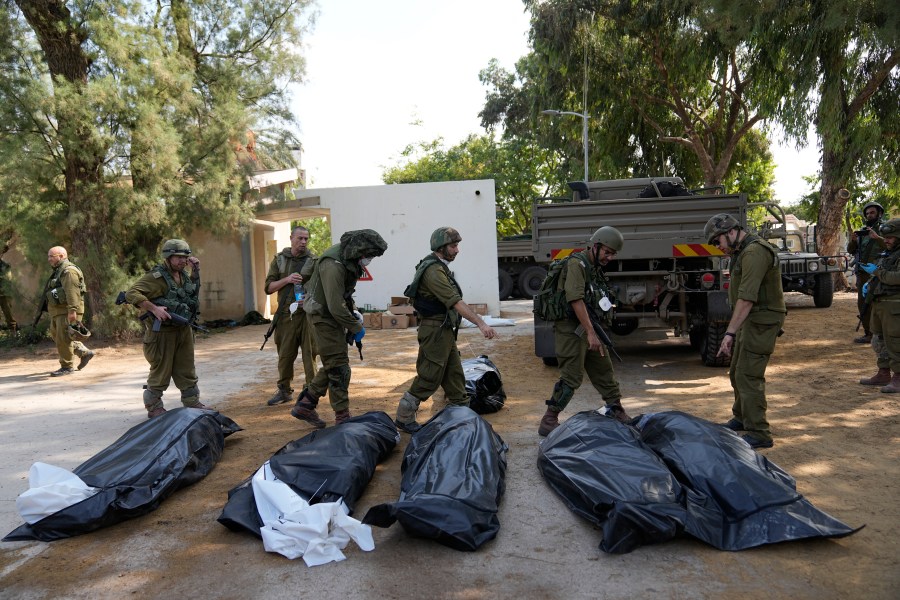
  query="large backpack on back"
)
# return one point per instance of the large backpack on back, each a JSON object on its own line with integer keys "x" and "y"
{"x": 550, "y": 302}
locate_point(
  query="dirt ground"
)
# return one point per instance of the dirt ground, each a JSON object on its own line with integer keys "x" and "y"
{"x": 837, "y": 438}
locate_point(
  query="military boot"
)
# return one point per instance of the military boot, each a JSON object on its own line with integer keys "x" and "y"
{"x": 618, "y": 413}
{"x": 281, "y": 396}
{"x": 894, "y": 386}
{"x": 341, "y": 416}
{"x": 549, "y": 422}
{"x": 406, "y": 414}
{"x": 305, "y": 409}
{"x": 882, "y": 377}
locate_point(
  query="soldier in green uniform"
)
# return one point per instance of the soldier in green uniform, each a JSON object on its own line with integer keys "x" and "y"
{"x": 866, "y": 249}
{"x": 578, "y": 348}
{"x": 884, "y": 289}
{"x": 168, "y": 289}
{"x": 437, "y": 299}
{"x": 329, "y": 306}
{"x": 64, "y": 293}
{"x": 757, "y": 315}
{"x": 6, "y": 292}
{"x": 292, "y": 330}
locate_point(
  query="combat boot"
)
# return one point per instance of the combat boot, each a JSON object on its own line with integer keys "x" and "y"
{"x": 155, "y": 412}
{"x": 305, "y": 410}
{"x": 281, "y": 396}
{"x": 341, "y": 416}
{"x": 618, "y": 413}
{"x": 85, "y": 359}
{"x": 882, "y": 377}
{"x": 406, "y": 414}
{"x": 549, "y": 422}
{"x": 894, "y": 386}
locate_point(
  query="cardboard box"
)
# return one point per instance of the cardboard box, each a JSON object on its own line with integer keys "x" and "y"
{"x": 394, "y": 321}
{"x": 372, "y": 320}
{"x": 399, "y": 300}
{"x": 401, "y": 309}
{"x": 413, "y": 321}
{"x": 480, "y": 309}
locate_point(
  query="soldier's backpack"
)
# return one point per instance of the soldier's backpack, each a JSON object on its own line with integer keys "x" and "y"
{"x": 549, "y": 302}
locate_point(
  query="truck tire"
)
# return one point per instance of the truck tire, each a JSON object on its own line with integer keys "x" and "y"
{"x": 506, "y": 284}
{"x": 710, "y": 343}
{"x": 530, "y": 280}
{"x": 696, "y": 335}
{"x": 823, "y": 290}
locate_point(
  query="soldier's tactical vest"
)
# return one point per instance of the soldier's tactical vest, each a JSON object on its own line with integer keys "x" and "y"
{"x": 283, "y": 261}
{"x": 596, "y": 286}
{"x": 182, "y": 300}
{"x": 56, "y": 293}
{"x": 889, "y": 263}
{"x": 425, "y": 304}
{"x": 315, "y": 302}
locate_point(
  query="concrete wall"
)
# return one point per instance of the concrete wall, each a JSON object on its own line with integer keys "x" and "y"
{"x": 405, "y": 215}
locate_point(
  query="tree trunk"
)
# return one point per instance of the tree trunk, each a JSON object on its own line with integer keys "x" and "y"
{"x": 61, "y": 40}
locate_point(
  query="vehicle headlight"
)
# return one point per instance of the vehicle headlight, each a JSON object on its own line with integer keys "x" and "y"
{"x": 813, "y": 265}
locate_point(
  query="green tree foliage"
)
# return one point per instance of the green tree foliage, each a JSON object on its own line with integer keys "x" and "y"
{"x": 666, "y": 90}
{"x": 319, "y": 233}
{"x": 122, "y": 123}
{"x": 519, "y": 169}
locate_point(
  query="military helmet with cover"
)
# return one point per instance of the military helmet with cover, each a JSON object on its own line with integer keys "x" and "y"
{"x": 175, "y": 248}
{"x": 870, "y": 205}
{"x": 891, "y": 228}
{"x": 719, "y": 224}
{"x": 362, "y": 242}
{"x": 609, "y": 237}
{"x": 443, "y": 236}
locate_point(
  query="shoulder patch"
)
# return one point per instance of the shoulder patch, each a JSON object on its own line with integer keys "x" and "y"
{"x": 157, "y": 274}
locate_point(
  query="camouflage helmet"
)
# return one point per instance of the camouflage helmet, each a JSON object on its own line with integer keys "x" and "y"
{"x": 719, "y": 224}
{"x": 870, "y": 205}
{"x": 175, "y": 248}
{"x": 891, "y": 228}
{"x": 443, "y": 236}
{"x": 609, "y": 237}
{"x": 362, "y": 242}
{"x": 78, "y": 332}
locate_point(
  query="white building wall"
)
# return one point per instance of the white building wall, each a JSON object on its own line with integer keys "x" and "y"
{"x": 405, "y": 215}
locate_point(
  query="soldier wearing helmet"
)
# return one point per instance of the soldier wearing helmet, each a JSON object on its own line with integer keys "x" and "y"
{"x": 292, "y": 329}
{"x": 438, "y": 300}
{"x": 64, "y": 293}
{"x": 585, "y": 284}
{"x": 165, "y": 290}
{"x": 883, "y": 288}
{"x": 866, "y": 245}
{"x": 758, "y": 313}
{"x": 329, "y": 306}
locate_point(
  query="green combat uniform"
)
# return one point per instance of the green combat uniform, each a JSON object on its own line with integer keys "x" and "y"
{"x": 292, "y": 331}
{"x": 329, "y": 307}
{"x": 5, "y": 292}
{"x": 885, "y": 309}
{"x": 435, "y": 292}
{"x": 865, "y": 250}
{"x": 65, "y": 293}
{"x": 755, "y": 277}
{"x": 581, "y": 282}
{"x": 170, "y": 351}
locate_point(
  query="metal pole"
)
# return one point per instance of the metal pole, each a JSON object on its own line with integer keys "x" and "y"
{"x": 584, "y": 118}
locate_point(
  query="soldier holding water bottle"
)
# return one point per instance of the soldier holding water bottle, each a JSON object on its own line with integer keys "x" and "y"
{"x": 292, "y": 332}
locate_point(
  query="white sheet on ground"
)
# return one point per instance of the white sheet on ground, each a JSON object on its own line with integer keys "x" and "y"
{"x": 293, "y": 528}
{"x": 50, "y": 489}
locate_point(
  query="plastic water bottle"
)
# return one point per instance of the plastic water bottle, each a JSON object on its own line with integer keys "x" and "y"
{"x": 298, "y": 293}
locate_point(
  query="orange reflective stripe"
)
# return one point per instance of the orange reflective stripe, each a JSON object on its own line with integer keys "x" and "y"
{"x": 559, "y": 253}
{"x": 695, "y": 250}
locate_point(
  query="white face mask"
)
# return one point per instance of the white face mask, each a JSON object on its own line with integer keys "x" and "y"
{"x": 364, "y": 262}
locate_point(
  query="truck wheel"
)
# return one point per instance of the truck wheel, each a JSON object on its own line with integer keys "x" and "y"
{"x": 823, "y": 290}
{"x": 696, "y": 335}
{"x": 709, "y": 345}
{"x": 531, "y": 279}
{"x": 506, "y": 284}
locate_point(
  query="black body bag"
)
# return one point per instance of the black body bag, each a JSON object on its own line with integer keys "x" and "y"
{"x": 325, "y": 466}
{"x": 483, "y": 385}
{"x": 453, "y": 479}
{"x": 138, "y": 471}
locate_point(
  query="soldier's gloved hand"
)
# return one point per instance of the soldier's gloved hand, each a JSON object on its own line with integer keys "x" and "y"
{"x": 868, "y": 267}
{"x": 865, "y": 290}
{"x": 358, "y": 316}
{"x": 359, "y": 336}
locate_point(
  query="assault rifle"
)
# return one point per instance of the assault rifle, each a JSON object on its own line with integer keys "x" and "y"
{"x": 268, "y": 333}
{"x": 175, "y": 318}
{"x": 598, "y": 329}
{"x": 867, "y": 302}
{"x": 40, "y": 313}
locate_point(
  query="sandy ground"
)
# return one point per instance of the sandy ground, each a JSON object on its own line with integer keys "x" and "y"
{"x": 837, "y": 438}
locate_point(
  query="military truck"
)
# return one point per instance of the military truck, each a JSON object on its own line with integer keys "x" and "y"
{"x": 667, "y": 275}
